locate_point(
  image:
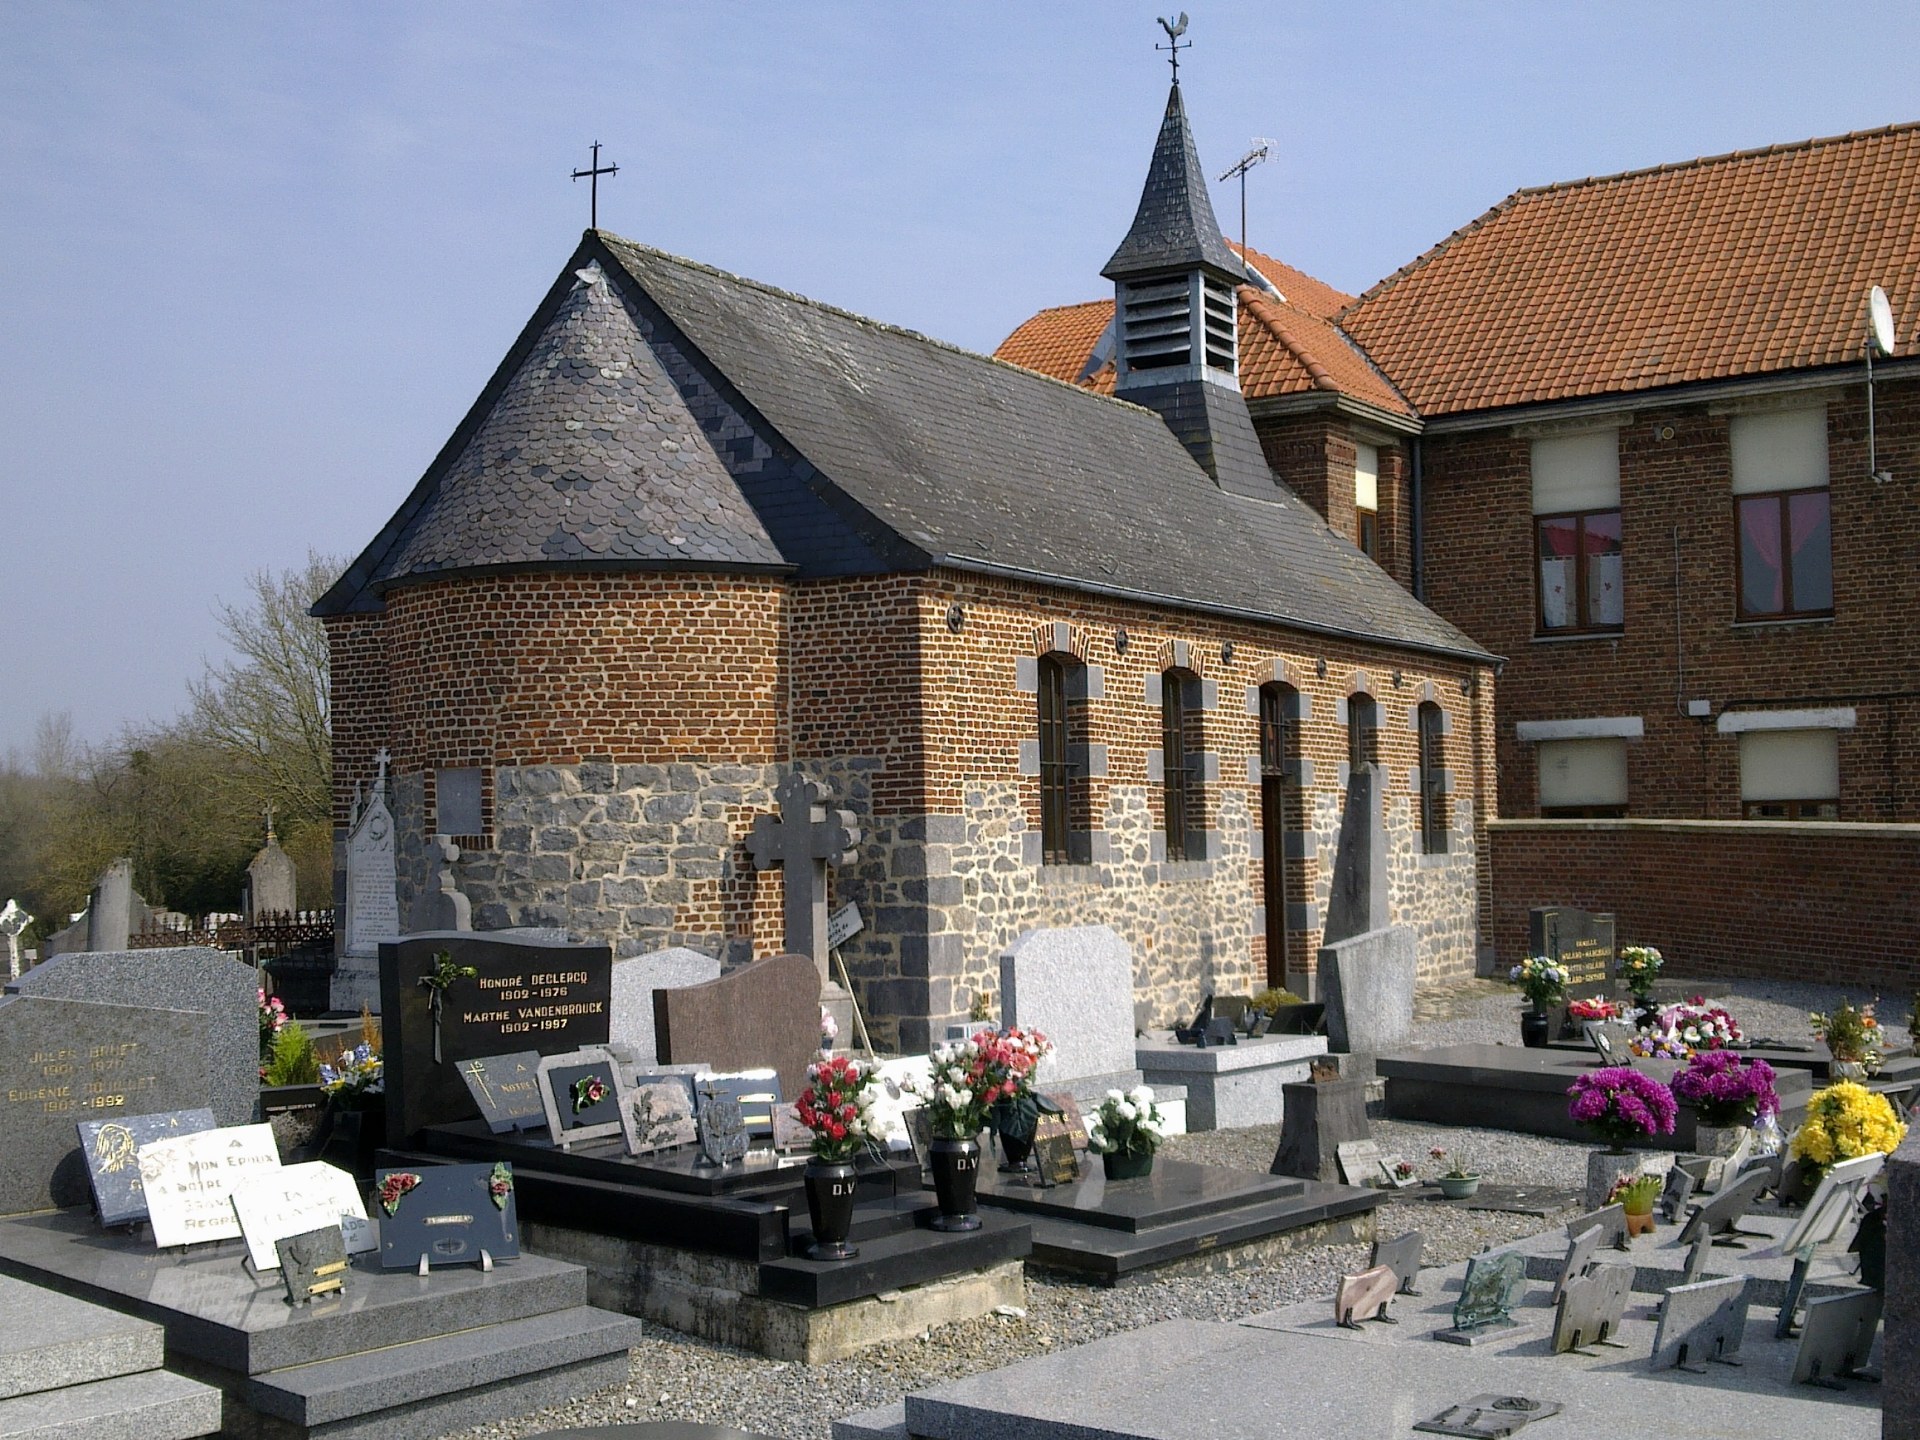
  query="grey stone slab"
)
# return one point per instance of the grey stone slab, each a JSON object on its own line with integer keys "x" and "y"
{"x": 1075, "y": 986}
{"x": 213, "y": 1310}
{"x": 1358, "y": 901}
{"x": 187, "y": 977}
{"x": 889, "y": 1422}
{"x": 1230, "y": 1086}
{"x": 1173, "y": 1192}
{"x": 1702, "y": 1322}
{"x": 1900, "y": 1347}
{"x": 1591, "y": 1307}
{"x": 65, "y": 1061}
{"x": 634, "y": 982}
{"x": 154, "y": 1405}
{"x": 1367, "y": 982}
{"x": 465, "y": 1409}
{"x": 1317, "y": 1120}
{"x": 51, "y": 1340}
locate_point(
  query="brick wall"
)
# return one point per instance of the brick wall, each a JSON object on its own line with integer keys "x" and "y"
{"x": 1314, "y": 456}
{"x": 1829, "y": 903}
{"x": 1675, "y": 475}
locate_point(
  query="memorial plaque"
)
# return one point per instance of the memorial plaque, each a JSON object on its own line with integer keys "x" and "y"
{"x": 659, "y": 1115}
{"x": 723, "y": 1131}
{"x": 1612, "y": 1220}
{"x": 1489, "y": 1417}
{"x": 1579, "y": 1259}
{"x": 1069, "y": 1109}
{"x": 1580, "y": 941}
{"x": 507, "y": 1090}
{"x": 1054, "y": 1157}
{"x": 275, "y": 1205}
{"x": 1675, "y": 1194}
{"x": 1402, "y": 1255}
{"x": 313, "y": 1264}
{"x": 756, "y": 1092}
{"x": 67, "y": 1061}
{"x": 189, "y": 1181}
{"x": 1364, "y": 1296}
{"x": 919, "y": 1128}
{"x": 111, "y": 1148}
{"x": 1492, "y": 1284}
{"x": 446, "y": 1215}
{"x": 584, "y": 1094}
{"x": 1837, "y": 1338}
{"x": 1590, "y": 1308}
{"x": 1703, "y": 1321}
{"x": 788, "y": 1132}
{"x": 1722, "y": 1214}
{"x": 1359, "y": 1162}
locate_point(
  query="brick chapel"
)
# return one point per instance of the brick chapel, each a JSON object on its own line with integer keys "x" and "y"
{"x": 1069, "y": 657}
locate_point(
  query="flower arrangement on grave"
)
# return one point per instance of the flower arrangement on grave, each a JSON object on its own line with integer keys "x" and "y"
{"x": 829, "y": 1028}
{"x": 959, "y": 1088}
{"x": 1127, "y": 1123}
{"x": 1852, "y": 1035}
{"x": 837, "y": 1106}
{"x": 1725, "y": 1090}
{"x": 980, "y": 1008}
{"x": 1598, "y": 1008}
{"x": 1012, "y": 1056}
{"x": 588, "y": 1091}
{"x": 273, "y": 1019}
{"x": 500, "y": 1184}
{"x": 1458, "y": 1167}
{"x": 1652, "y": 1044}
{"x": 394, "y": 1189}
{"x": 1619, "y": 1104}
{"x": 1404, "y": 1170}
{"x": 1639, "y": 966}
{"x": 1844, "y": 1122}
{"x": 1541, "y": 980}
{"x": 1272, "y": 998}
{"x": 353, "y": 1078}
{"x": 1679, "y": 1030}
{"x": 1635, "y": 1194}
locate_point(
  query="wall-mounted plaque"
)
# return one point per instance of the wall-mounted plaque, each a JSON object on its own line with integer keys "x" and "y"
{"x": 293, "y": 1199}
{"x": 584, "y": 1094}
{"x": 111, "y": 1149}
{"x": 446, "y": 1215}
{"x": 189, "y": 1181}
{"x": 507, "y": 1090}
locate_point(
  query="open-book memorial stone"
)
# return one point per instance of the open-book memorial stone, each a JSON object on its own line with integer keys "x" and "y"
{"x": 1590, "y": 1307}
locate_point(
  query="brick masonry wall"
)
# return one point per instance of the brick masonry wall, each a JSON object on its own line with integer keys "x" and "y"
{"x": 1314, "y": 455}
{"x": 1831, "y": 903}
{"x": 1479, "y": 567}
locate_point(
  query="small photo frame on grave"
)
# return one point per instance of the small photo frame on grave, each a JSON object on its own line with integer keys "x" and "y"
{"x": 658, "y": 1115}
{"x": 584, "y": 1096}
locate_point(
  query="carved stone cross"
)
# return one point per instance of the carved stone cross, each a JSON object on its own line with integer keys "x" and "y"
{"x": 804, "y": 838}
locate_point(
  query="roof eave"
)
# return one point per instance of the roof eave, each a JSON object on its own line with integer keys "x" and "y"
{"x": 1306, "y": 402}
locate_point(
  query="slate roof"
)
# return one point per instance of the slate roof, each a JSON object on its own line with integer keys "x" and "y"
{"x": 1729, "y": 266}
{"x": 1174, "y": 228}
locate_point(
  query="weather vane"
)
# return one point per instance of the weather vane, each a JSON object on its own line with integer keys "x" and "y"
{"x": 593, "y": 175}
{"x": 1175, "y": 29}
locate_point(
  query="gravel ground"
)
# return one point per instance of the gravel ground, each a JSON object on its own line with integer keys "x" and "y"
{"x": 675, "y": 1377}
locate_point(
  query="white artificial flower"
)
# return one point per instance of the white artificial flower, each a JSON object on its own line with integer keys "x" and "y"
{"x": 1127, "y": 1111}
{"x": 1142, "y": 1095}
{"x": 1115, "y": 1096}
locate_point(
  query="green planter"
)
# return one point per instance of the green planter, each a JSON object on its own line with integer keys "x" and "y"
{"x": 1458, "y": 1187}
{"x": 1127, "y": 1164}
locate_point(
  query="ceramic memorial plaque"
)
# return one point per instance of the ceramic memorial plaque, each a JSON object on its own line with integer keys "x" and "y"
{"x": 313, "y": 1264}
{"x": 659, "y": 1116}
{"x": 756, "y": 1092}
{"x": 1402, "y": 1255}
{"x": 1590, "y": 1307}
{"x": 274, "y": 1204}
{"x": 1700, "y": 1322}
{"x": 189, "y": 1181}
{"x": 1055, "y": 1162}
{"x": 584, "y": 1094}
{"x": 1837, "y": 1338}
{"x": 113, "y": 1166}
{"x": 446, "y": 1215}
{"x": 1580, "y": 1249}
{"x": 722, "y": 1129}
{"x": 1489, "y": 1417}
{"x": 1487, "y": 1294}
{"x": 1359, "y": 1162}
{"x": 788, "y": 1132}
{"x": 1069, "y": 1109}
{"x": 1365, "y": 1296}
{"x": 507, "y": 1090}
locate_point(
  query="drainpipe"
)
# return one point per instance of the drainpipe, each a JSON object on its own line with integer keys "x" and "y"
{"x": 1419, "y": 528}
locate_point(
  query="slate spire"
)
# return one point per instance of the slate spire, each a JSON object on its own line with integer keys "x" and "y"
{"x": 1174, "y": 228}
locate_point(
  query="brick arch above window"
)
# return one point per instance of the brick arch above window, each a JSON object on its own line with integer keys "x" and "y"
{"x": 1180, "y": 655}
{"x": 1061, "y": 638}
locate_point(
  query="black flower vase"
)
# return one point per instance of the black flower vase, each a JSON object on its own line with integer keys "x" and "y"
{"x": 830, "y": 1185}
{"x": 349, "y": 1138}
{"x": 1016, "y": 1148}
{"x": 1536, "y": 1027}
{"x": 956, "y": 1175}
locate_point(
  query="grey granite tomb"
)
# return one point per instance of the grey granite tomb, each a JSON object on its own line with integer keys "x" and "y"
{"x": 634, "y": 982}
{"x": 1367, "y": 964}
{"x": 1075, "y": 986}
{"x": 1900, "y": 1346}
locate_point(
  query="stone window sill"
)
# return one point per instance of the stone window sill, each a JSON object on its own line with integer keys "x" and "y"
{"x": 1556, "y": 638}
{"x": 1792, "y": 622}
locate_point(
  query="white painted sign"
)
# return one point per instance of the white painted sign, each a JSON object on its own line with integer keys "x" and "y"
{"x": 189, "y": 1181}
{"x": 293, "y": 1199}
{"x": 845, "y": 924}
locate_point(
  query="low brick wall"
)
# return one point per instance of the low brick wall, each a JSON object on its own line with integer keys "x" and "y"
{"x": 1838, "y": 903}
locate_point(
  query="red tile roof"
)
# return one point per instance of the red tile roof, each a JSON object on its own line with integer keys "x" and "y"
{"x": 1729, "y": 266}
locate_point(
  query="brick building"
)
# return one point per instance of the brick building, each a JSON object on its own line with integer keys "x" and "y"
{"x": 1618, "y": 431}
{"x": 1069, "y": 658}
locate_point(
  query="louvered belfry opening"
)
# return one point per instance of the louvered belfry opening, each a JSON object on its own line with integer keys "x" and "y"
{"x": 1175, "y": 322}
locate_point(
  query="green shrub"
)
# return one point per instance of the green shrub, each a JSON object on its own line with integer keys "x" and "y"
{"x": 292, "y": 1061}
{"x": 1270, "y": 1000}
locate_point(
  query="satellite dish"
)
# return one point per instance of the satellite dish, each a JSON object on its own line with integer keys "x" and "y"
{"x": 1880, "y": 320}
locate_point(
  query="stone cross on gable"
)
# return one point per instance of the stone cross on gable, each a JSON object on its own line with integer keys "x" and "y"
{"x": 804, "y": 838}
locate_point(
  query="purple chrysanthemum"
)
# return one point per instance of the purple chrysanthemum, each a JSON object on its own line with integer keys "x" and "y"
{"x": 1726, "y": 1090}
{"x": 1622, "y": 1104}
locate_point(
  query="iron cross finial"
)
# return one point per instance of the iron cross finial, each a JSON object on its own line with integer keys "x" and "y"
{"x": 1175, "y": 29}
{"x": 592, "y": 176}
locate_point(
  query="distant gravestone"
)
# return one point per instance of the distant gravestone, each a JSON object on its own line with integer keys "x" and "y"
{"x": 764, "y": 1014}
{"x": 1316, "y": 1119}
{"x": 13, "y": 920}
{"x": 635, "y": 980}
{"x": 442, "y": 905}
{"x": 110, "y": 908}
{"x": 1580, "y": 941}
{"x": 1357, "y": 901}
{"x": 65, "y": 1061}
{"x": 1367, "y": 965}
{"x": 271, "y": 887}
{"x": 525, "y": 996}
{"x": 226, "y": 1042}
{"x": 1075, "y": 986}
{"x": 373, "y": 905}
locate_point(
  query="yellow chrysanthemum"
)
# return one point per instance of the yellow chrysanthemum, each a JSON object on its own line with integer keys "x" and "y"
{"x": 1845, "y": 1121}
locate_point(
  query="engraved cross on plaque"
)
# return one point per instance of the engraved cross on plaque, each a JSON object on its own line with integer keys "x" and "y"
{"x": 804, "y": 838}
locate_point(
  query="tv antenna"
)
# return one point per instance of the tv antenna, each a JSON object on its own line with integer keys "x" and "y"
{"x": 1175, "y": 29}
{"x": 1881, "y": 337}
{"x": 593, "y": 177}
{"x": 1246, "y": 162}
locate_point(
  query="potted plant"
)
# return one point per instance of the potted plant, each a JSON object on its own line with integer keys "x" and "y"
{"x": 1635, "y": 1195}
{"x": 1013, "y": 1055}
{"x": 1544, "y": 983}
{"x": 1852, "y": 1038}
{"x": 1459, "y": 1181}
{"x": 837, "y": 1106}
{"x": 273, "y": 1019}
{"x": 1845, "y": 1121}
{"x": 1727, "y": 1094}
{"x": 1639, "y": 968}
{"x": 1126, "y": 1130}
{"x": 1621, "y": 1106}
{"x": 957, "y": 1093}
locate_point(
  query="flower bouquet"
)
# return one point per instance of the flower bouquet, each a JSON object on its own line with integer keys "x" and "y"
{"x": 1844, "y": 1122}
{"x": 1598, "y": 1008}
{"x": 353, "y": 1079}
{"x": 829, "y": 1030}
{"x": 1639, "y": 967}
{"x": 273, "y": 1019}
{"x": 1852, "y": 1036}
{"x": 1679, "y": 1030}
{"x": 1619, "y": 1104}
{"x": 1658, "y": 1045}
{"x": 837, "y": 1106}
{"x": 1541, "y": 980}
{"x": 1724, "y": 1090}
{"x": 1126, "y": 1130}
{"x": 1013, "y": 1055}
{"x": 963, "y": 1081}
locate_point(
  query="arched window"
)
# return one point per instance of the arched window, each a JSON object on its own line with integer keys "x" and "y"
{"x": 1363, "y": 728}
{"x": 1279, "y": 777}
{"x": 1433, "y": 779}
{"x": 1056, "y": 777}
{"x": 1179, "y": 746}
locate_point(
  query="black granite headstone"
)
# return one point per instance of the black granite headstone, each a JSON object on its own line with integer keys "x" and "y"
{"x": 1577, "y": 939}
{"x": 527, "y": 995}
{"x": 111, "y": 1148}
{"x": 447, "y": 1214}
{"x": 507, "y": 1090}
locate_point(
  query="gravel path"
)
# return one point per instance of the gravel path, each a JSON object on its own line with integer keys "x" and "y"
{"x": 675, "y": 1377}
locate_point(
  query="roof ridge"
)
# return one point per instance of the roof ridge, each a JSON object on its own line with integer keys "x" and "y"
{"x": 1261, "y": 306}
{"x": 608, "y": 238}
{"x": 1323, "y": 379}
{"x": 1528, "y": 192}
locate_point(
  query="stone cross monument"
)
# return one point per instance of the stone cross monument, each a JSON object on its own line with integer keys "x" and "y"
{"x": 803, "y": 839}
{"x": 12, "y": 921}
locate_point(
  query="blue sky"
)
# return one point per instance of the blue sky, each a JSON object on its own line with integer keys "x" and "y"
{"x": 256, "y": 260}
